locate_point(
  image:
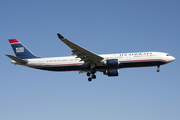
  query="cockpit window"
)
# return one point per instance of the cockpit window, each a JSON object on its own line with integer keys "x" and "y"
{"x": 167, "y": 55}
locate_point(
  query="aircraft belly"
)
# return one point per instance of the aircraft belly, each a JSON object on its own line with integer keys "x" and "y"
{"x": 143, "y": 64}
{"x": 63, "y": 68}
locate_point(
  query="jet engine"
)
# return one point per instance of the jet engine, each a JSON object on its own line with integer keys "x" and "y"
{"x": 111, "y": 72}
{"x": 112, "y": 63}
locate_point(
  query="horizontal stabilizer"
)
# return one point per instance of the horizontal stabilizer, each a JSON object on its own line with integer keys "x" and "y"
{"x": 18, "y": 60}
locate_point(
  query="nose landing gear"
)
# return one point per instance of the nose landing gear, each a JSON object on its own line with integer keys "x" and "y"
{"x": 158, "y": 70}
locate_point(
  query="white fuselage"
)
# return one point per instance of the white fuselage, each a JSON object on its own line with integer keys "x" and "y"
{"x": 138, "y": 59}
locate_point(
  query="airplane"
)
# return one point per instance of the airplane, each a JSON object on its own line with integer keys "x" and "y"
{"x": 87, "y": 61}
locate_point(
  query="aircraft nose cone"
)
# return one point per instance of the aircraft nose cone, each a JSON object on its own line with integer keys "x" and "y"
{"x": 171, "y": 59}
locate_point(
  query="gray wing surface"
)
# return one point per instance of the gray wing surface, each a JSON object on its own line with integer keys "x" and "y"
{"x": 82, "y": 53}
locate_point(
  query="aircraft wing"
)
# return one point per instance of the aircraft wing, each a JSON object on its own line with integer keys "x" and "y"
{"x": 85, "y": 55}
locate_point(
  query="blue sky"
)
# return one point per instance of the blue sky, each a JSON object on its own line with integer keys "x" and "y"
{"x": 102, "y": 27}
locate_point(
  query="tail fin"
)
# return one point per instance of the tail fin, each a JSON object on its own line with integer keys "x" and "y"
{"x": 20, "y": 50}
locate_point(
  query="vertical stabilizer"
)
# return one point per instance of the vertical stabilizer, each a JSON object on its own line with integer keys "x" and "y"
{"x": 20, "y": 50}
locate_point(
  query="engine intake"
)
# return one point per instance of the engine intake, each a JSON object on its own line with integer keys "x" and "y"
{"x": 111, "y": 72}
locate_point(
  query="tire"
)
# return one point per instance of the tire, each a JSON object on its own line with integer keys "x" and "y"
{"x": 89, "y": 79}
{"x": 94, "y": 76}
{"x": 88, "y": 73}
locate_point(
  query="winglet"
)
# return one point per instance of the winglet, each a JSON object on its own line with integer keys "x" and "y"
{"x": 60, "y": 36}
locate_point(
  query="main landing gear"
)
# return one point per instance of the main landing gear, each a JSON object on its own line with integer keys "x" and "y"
{"x": 91, "y": 75}
{"x": 158, "y": 70}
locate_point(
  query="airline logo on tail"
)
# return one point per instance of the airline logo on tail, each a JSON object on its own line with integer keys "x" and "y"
{"x": 20, "y": 50}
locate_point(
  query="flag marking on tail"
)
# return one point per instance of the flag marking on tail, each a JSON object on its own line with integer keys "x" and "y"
{"x": 19, "y": 49}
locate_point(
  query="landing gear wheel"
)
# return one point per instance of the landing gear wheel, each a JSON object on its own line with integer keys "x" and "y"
{"x": 89, "y": 79}
{"x": 94, "y": 76}
{"x": 88, "y": 73}
{"x": 158, "y": 70}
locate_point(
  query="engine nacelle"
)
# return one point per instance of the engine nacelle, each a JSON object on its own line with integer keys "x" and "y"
{"x": 112, "y": 63}
{"x": 111, "y": 72}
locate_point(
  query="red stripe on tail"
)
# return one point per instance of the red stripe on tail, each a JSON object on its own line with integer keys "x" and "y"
{"x": 13, "y": 41}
